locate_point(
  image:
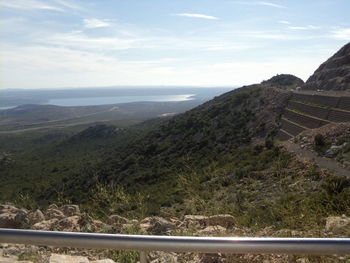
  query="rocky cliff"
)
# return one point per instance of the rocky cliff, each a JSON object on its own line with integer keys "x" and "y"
{"x": 334, "y": 74}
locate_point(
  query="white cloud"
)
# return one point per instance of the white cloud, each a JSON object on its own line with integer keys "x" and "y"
{"x": 53, "y": 67}
{"x": 270, "y": 4}
{"x": 67, "y": 4}
{"x": 284, "y": 22}
{"x": 79, "y": 40}
{"x": 82, "y": 41}
{"x": 95, "y": 23}
{"x": 262, "y": 3}
{"x": 50, "y": 67}
{"x": 272, "y": 35}
{"x": 198, "y": 16}
{"x": 309, "y": 27}
{"x": 343, "y": 33}
{"x": 29, "y": 4}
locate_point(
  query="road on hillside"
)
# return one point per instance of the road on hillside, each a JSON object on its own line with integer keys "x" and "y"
{"x": 322, "y": 162}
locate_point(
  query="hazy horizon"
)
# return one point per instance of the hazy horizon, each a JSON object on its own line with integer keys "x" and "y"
{"x": 103, "y": 96}
{"x": 123, "y": 86}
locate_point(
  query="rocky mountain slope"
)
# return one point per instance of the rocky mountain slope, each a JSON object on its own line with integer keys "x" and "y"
{"x": 190, "y": 141}
{"x": 334, "y": 74}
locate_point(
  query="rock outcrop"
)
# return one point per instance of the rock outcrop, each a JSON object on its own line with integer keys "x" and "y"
{"x": 334, "y": 74}
{"x": 12, "y": 217}
{"x": 157, "y": 225}
{"x": 339, "y": 225}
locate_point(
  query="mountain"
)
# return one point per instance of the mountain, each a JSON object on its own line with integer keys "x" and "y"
{"x": 334, "y": 74}
{"x": 196, "y": 139}
{"x": 285, "y": 81}
{"x": 218, "y": 158}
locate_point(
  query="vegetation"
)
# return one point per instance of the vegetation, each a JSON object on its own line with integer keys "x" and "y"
{"x": 217, "y": 158}
{"x": 285, "y": 81}
{"x": 320, "y": 143}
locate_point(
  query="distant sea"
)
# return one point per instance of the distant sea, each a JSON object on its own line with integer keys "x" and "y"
{"x": 117, "y": 99}
{"x": 102, "y": 96}
{"x": 6, "y": 108}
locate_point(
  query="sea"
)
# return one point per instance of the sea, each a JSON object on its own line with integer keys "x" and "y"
{"x": 102, "y": 96}
{"x": 117, "y": 99}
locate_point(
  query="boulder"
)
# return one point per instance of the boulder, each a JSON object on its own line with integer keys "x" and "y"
{"x": 46, "y": 225}
{"x": 22, "y": 218}
{"x": 88, "y": 224}
{"x": 53, "y": 206}
{"x": 57, "y": 258}
{"x": 195, "y": 220}
{"x": 212, "y": 230}
{"x": 68, "y": 224}
{"x": 54, "y": 213}
{"x": 338, "y": 225}
{"x": 7, "y": 220}
{"x": 117, "y": 220}
{"x": 8, "y": 209}
{"x": 333, "y": 151}
{"x": 71, "y": 210}
{"x": 157, "y": 225}
{"x": 175, "y": 221}
{"x": 227, "y": 221}
{"x": 36, "y": 216}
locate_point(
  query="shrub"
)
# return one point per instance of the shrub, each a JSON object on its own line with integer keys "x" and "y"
{"x": 320, "y": 143}
{"x": 319, "y": 140}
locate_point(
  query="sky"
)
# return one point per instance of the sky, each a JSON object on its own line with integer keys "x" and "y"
{"x": 89, "y": 43}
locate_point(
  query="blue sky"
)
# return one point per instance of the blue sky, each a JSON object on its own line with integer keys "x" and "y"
{"x": 83, "y": 43}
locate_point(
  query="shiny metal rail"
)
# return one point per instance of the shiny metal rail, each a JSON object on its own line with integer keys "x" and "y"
{"x": 319, "y": 246}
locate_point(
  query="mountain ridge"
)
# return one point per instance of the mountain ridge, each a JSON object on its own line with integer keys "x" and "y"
{"x": 333, "y": 74}
{"x": 207, "y": 133}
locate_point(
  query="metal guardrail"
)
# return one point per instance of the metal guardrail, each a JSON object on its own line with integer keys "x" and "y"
{"x": 143, "y": 243}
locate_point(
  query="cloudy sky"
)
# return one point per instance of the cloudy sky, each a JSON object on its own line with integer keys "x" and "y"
{"x": 82, "y": 43}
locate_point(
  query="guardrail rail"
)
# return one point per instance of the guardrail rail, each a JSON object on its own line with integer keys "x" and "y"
{"x": 146, "y": 243}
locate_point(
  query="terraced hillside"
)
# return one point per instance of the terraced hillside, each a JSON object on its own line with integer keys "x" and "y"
{"x": 309, "y": 110}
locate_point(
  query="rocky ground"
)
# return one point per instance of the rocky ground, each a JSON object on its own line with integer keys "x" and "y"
{"x": 336, "y": 137}
{"x": 70, "y": 218}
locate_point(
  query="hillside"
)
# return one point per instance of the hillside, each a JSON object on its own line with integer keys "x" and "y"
{"x": 219, "y": 158}
{"x": 334, "y": 74}
{"x": 225, "y": 128}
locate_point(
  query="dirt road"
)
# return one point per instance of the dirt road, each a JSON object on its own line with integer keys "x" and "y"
{"x": 322, "y": 162}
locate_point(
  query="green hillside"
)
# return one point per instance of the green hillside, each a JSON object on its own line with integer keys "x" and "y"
{"x": 220, "y": 157}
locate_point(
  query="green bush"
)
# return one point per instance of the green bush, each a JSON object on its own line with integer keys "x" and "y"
{"x": 320, "y": 143}
{"x": 319, "y": 140}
